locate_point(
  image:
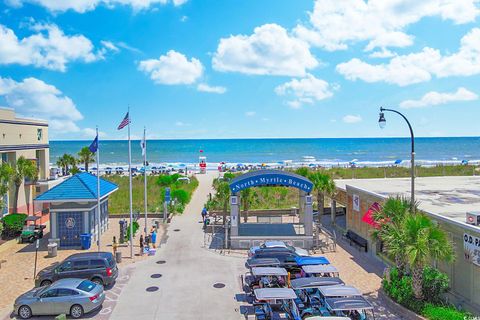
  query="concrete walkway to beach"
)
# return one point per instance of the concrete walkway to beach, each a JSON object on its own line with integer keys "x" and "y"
{"x": 185, "y": 289}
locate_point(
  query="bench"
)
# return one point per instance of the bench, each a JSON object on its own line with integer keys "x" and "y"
{"x": 356, "y": 239}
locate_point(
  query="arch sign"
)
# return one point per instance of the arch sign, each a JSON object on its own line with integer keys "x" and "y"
{"x": 270, "y": 178}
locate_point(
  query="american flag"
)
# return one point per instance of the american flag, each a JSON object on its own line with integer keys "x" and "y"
{"x": 124, "y": 122}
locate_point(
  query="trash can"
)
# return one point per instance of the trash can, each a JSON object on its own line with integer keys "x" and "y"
{"x": 86, "y": 240}
{"x": 52, "y": 250}
{"x": 118, "y": 256}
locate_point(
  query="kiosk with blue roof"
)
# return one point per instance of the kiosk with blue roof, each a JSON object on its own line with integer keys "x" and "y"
{"x": 73, "y": 208}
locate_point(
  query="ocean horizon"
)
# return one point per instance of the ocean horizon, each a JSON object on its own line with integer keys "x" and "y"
{"x": 323, "y": 151}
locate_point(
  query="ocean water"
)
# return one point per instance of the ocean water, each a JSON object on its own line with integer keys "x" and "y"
{"x": 324, "y": 151}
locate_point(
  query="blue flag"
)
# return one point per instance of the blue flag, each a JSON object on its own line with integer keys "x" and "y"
{"x": 94, "y": 146}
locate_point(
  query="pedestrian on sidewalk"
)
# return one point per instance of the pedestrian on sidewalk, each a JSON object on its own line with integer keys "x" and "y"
{"x": 204, "y": 213}
{"x": 153, "y": 237}
{"x": 141, "y": 244}
{"x": 114, "y": 245}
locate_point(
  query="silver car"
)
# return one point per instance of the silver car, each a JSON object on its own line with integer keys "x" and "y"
{"x": 73, "y": 297}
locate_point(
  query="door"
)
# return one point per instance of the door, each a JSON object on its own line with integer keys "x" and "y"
{"x": 65, "y": 270}
{"x": 69, "y": 228}
{"x": 65, "y": 300}
{"x": 46, "y": 303}
{"x": 81, "y": 269}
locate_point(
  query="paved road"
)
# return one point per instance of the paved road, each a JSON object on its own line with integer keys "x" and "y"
{"x": 185, "y": 288}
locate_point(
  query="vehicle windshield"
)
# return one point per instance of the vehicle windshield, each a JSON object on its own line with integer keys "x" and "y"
{"x": 41, "y": 290}
{"x": 86, "y": 286}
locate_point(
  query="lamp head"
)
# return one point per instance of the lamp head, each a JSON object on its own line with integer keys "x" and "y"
{"x": 382, "y": 122}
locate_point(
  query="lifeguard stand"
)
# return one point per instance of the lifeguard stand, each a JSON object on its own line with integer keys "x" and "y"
{"x": 202, "y": 162}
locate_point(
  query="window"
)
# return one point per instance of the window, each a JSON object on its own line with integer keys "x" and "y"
{"x": 66, "y": 292}
{"x": 80, "y": 265}
{"x": 39, "y": 134}
{"x": 66, "y": 266}
{"x": 97, "y": 264}
{"x": 86, "y": 286}
{"x": 50, "y": 293}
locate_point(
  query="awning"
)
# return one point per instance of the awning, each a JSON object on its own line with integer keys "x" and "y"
{"x": 368, "y": 216}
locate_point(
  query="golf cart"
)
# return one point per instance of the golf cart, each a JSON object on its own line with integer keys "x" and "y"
{"x": 262, "y": 262}
{"x": 268, "y": 299}
{"x": 30, "y": 233}
{"x": 309, "y": 300}
{"x": 266, "y": 277}
{"x": 355, "y": 308}
{"x": 320, "y": 270}
{"x": 296, "y": 270}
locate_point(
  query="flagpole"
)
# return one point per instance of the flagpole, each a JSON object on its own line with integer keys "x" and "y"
{"x": 130, "y": 182}
{"x": 145, "y": 173}
{"x": 98, "y": 193}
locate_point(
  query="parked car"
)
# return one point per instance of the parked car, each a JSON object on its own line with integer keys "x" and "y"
{"x": 31, "y": 233}
{"x": 74, "y": 297}
{"x": 99, "y": 267}
{"x": 277, "y": 245}
{"x": 286, "y": 258}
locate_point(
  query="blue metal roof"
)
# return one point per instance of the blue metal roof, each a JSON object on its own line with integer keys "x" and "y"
{"x": 82, "y": 186}
{"x": 308, "y": 261}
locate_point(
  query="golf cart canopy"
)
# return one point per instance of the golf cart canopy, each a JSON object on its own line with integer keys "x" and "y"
{"x": 350, "y": 303}
{"x": 262, "y": 262}
{"x": 320, "y": 268}
{"x": 315, "y": 282}
{"x": 327, "y": 318}
{"x": 306, "y": 261}
{"x": 269, "y": 271}
{"x": 275, "y": 293}
{"x": 274, "y": 244}
{"x": 339, "y": 291}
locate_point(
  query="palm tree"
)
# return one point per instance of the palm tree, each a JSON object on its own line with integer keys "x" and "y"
{"x": 23, "y": 168}
{"x": 65, "y": 162}
{"x": 324, "y": 185}
{"x": 248, "y": 197}
{"x": 424, "y": 242}
{"x": 86, "y": 157}
{"x": 222, "y": 189}
{"x": 6, "y": 172}
{"x": 303, "y": 171}
{"x": 389, "y": 220}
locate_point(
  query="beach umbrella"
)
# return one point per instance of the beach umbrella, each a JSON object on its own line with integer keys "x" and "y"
{"x": 239, "y": 164}
{"x": 398, "y": 161}
{"x": 311, "y": 165}
{"x": 464, "y": 162}
{"x": 182, "y": 165}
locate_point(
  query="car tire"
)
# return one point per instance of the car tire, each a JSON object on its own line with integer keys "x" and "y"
{"x": 76, "y": 311}
{"x": 24, "y": 312}
{"x": 45, "y": 283}
{"x": 98, "y": 281}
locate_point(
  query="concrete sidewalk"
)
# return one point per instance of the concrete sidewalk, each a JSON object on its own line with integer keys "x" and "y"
{"x": 185, "y": 289}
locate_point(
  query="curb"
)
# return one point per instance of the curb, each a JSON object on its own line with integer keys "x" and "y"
{"x": 398, "y": 309}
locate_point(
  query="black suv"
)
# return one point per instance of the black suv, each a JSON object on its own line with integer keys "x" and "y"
{"x": 99, "y": 267}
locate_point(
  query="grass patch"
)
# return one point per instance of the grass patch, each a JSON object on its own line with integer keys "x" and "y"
{"x": 119, "y": 200}
{"x": 400, "y": 172}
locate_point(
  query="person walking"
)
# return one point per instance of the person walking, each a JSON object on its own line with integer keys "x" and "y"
{"x": 114, "y": 245}
{"x": 204, "y": 213}
{"x": 141, "y": 245}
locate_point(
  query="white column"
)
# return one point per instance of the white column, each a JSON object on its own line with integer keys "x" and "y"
{"x": 234, "y": 214}
{"x": 53, "y": 225}
{"x": 308, "y": 224}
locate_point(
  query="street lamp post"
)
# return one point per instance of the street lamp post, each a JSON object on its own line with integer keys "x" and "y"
{"x": 382, "y": 122}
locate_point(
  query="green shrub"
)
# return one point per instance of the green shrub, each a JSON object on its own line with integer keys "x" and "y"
{"x": 166, "y": 180}
{"x": 1, "y": 227}
{"x": 401, "y": 291}
{"x": 14, "y": 222}
{"x": 135, "y": 229}
{"x": 181, "y": 196}
{"x": 433, "y": 312}
{"x": 435, "y": 284}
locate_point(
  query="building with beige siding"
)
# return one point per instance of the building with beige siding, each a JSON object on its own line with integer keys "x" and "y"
{"x": 27, "y": 138}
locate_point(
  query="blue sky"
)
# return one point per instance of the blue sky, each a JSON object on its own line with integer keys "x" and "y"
{"x": 250, "y": 68}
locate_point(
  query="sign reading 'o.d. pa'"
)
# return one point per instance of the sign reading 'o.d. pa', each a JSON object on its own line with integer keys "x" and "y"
{"x": 471, "y": 248}
{"x": 270, "y": 178}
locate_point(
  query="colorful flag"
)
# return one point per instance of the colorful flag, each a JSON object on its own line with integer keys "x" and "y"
{"x": 125, "y": 122}
{"x": 94, "y": 145}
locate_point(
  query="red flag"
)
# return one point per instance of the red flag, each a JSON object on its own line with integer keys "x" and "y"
{"x": 368, "y": 216}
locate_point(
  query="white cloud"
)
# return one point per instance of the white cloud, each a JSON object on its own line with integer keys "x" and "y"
{"x": 421, "y": 66}
{"x": 211, "y": 89}
{"x": 250, "y": 113}
{"x": 350, "y": 118}
{"x": 270, "y": 50}
{"x": 434, "y": 98}
{"x": 82, "y": 6}
{"x": 384, "y": 53}
{"x": 35, "y": 98}
{"x": 305, "y": 91}
{"x": 181, "y": 124}
{"x": 109, "y": 45}
{"x": 333, "y": 24}
{"x": 172, "y": 68}
{"x": 48, "y": 48}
